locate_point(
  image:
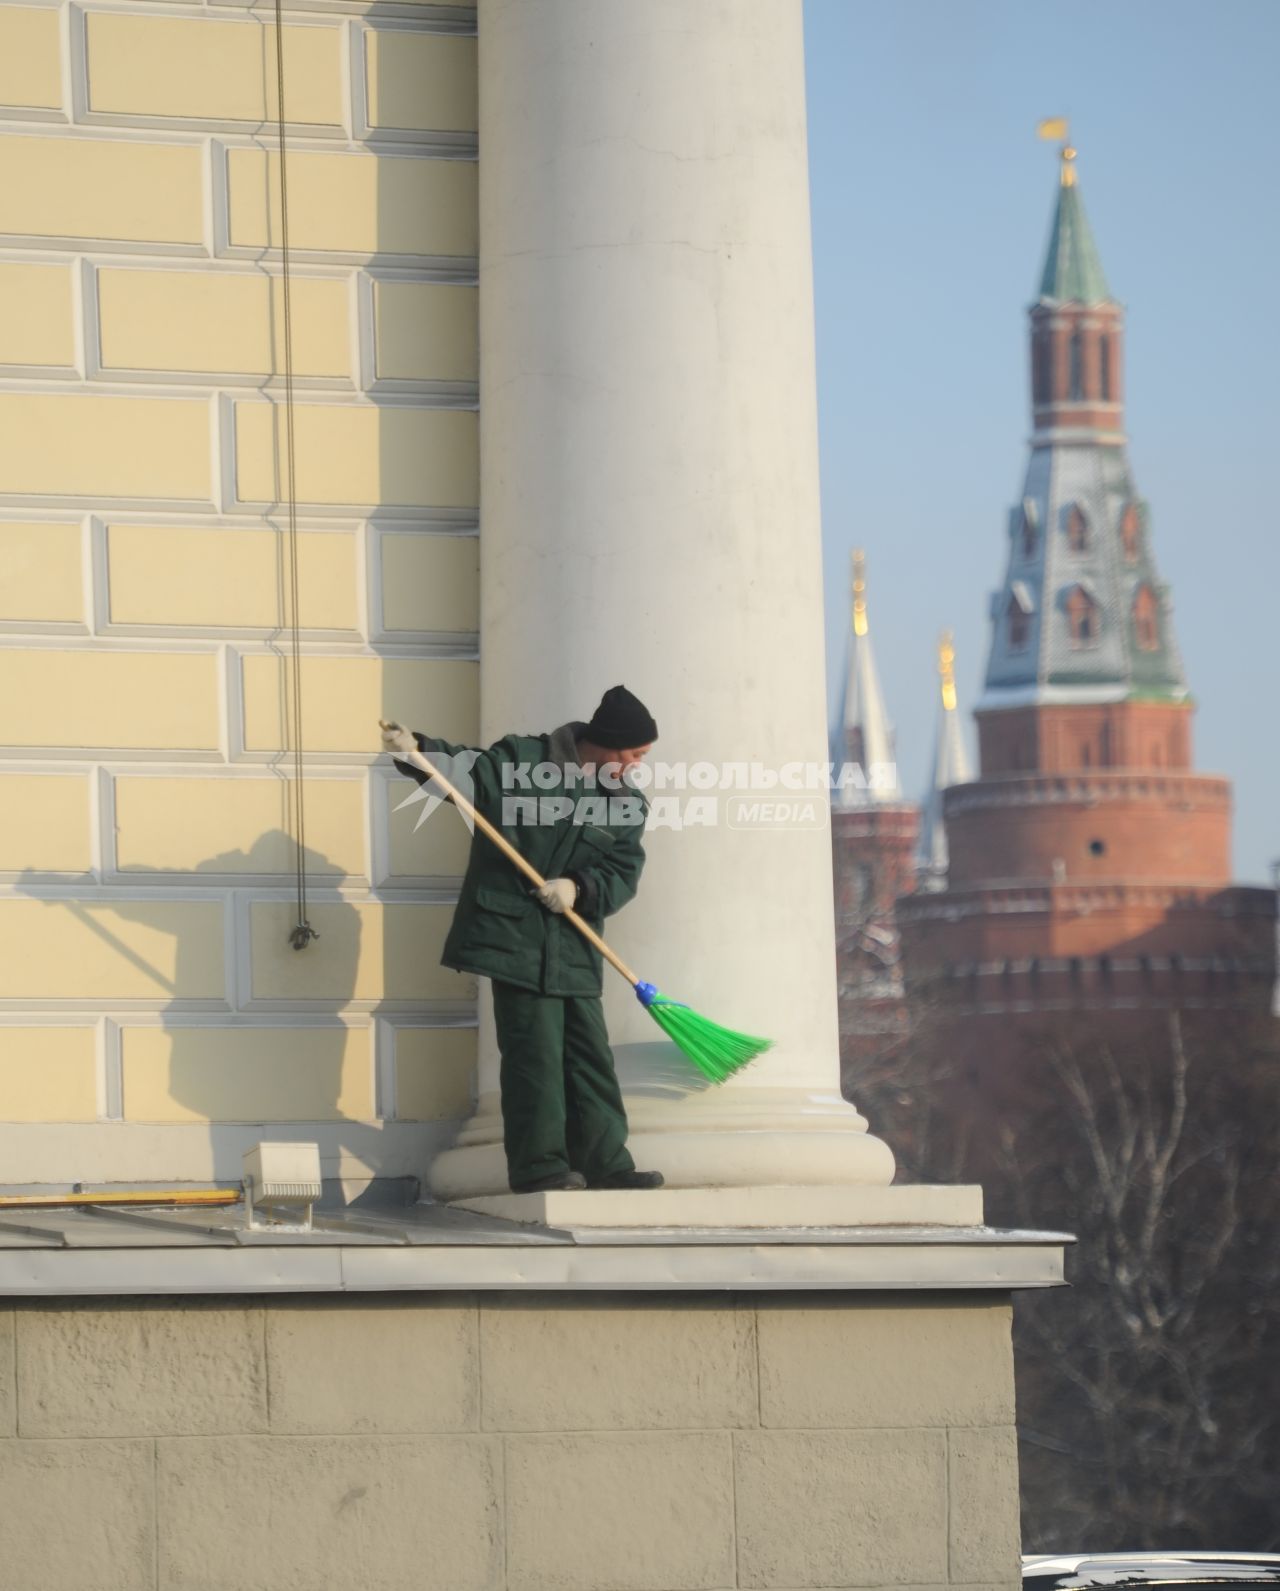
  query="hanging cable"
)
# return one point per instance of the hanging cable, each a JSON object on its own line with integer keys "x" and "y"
{"x": 302, "y": 933}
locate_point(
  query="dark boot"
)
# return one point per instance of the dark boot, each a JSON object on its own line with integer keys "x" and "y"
{"x": 630, "y": 1179}
{"x": 560, "y": 1181}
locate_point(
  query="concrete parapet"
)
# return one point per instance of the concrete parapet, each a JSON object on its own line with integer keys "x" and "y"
{"x": 130, "y": 1369}
{"x": 413, "y": 1365}
{"x": 830, "y": 1508}
{"x": 982, "y": 1485}
{"x": 626, "y": 1510}
{"x": 513, "y": 1440}
{"x": 76, "y": 1514}
{"x": 610, "y": 1364}
{"x": 8, "y": 1368}
{"x": 909, "y": 1363}
{"x": 263, "y": 1513}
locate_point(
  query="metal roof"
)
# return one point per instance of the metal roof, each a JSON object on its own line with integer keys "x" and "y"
{"x": 1094, "y": 478}
{"x": 1072, "y": 268}
{"x": 433, "y": 1247}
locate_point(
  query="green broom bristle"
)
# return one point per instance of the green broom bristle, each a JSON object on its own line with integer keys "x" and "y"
{"x": 717, "y": 1052}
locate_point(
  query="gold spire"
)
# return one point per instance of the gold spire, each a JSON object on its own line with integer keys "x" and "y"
{"x": 947, "y": 669}
{"x": 859, "y": 593}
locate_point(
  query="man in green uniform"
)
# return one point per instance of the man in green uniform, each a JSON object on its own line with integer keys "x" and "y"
{"x": 563, "y": 801}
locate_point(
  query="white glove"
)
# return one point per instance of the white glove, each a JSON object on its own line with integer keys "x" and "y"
{"x": 397, "y": 740}
{"x": 558, "y": 894}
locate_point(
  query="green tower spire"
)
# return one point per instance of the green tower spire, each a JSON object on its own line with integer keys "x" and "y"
{"x": 1072, "y": 270}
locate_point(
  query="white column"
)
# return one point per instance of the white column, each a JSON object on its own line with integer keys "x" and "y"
{"x": 650, "y": 517}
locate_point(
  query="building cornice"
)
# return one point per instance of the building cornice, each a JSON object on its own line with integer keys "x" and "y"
{"x": 1076, "y": 436}
{"x": 1088, "y": 789}
{"x": 1011, "y": 898}
{"x": 78, "y": 1256}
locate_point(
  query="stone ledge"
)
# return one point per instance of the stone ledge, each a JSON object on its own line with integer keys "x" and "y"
{"x": 878, "y": 1259}
{"x": 732, "y": 1208}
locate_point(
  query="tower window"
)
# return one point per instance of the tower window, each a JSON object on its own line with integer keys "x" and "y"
{"x": 1146, "y": 619}
{"x": 1077, "y": 529}
{"x": 1028, "y": 535}
{"x": 1104, "y": 368}
{"x": 1041, "y": 371}
{"x": 1082, "y": 617}
{"x": 1019, "y": 626}
{"x": 1077, "y": 366}
{"x": 1130, "y": 532}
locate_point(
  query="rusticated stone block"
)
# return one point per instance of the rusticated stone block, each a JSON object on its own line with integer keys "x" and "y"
{"x": 101, "y": 188}
{"x": 137, "y": 701}
{"x": 176, "y": 67}
{"x": 77, "y": 1516}
{"x": 406, "y": 1365}
{"x": 329, "y": 1513}
{"x": 36, "y": 305}
{"x": 578, "y": 1363}
{"x": 30, "y": 72}
{"x": 44, "y": 822}
{"x": 859, "y": 1365}
{"x": 841, "y": 1508}
{"x": 633, "y": 1512}
{"x": 8, "y": 1390}
{"x": 48, "y": 1074}
{"x": 985, "y": 1530}
{"x": 132, "y": 1369}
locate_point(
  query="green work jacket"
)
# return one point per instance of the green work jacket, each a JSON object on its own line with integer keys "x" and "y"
{"x": 565, "y": 828}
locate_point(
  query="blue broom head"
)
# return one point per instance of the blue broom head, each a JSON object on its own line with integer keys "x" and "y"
{"x": 716, "y": 1051}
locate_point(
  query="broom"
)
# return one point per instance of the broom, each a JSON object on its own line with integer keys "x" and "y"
{"x": 716, "y": 1051}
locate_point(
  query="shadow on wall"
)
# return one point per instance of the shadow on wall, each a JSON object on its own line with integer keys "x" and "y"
{"x": 282, "y": 1062}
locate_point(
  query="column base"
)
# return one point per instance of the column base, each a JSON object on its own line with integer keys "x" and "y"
{"x": 724, "y": 1138}
{"x": 757, "y": 1207}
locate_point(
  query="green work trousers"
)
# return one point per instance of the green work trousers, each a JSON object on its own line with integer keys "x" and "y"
{"x": 562, "y": 1108}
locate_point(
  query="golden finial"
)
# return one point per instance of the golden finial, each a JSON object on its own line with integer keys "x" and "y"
{"x": 859, "y": 593}
{"x": 1068, "y": 174}
{"x": 947, "y": 669}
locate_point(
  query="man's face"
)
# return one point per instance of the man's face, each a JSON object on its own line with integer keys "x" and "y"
{"x": 611, "y": 766}
{"x": 628, "y": 759}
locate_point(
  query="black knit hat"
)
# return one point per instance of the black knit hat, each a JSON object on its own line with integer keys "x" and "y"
{"x": 621, "y": 721}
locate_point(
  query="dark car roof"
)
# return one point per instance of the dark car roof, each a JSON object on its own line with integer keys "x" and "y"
{"x": 1067, "y": 1570}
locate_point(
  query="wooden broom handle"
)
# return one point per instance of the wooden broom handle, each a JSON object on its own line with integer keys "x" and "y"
{"x": 509, "y": 851}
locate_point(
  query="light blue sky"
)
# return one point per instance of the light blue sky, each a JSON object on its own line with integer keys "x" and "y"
{"x": 931, "y": 208}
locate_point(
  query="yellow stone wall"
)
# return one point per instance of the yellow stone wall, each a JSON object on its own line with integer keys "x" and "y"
{"x": 148, "y": 993}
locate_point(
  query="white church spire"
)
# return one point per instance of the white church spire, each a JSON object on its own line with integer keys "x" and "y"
{"x": 950, "y": 766}
{"x": 866, "y": 736}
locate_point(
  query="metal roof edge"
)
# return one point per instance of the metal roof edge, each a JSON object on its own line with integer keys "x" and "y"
{"x": 995, "y": 699}
{"x": 888, "y": 1259}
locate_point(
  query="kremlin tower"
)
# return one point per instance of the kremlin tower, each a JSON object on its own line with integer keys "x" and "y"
{"x": 1089, "y": 863}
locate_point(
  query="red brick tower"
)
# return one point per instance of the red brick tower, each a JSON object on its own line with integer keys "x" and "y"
{"x": 1089, "y": 863}
{"x": 874, "y": 833}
